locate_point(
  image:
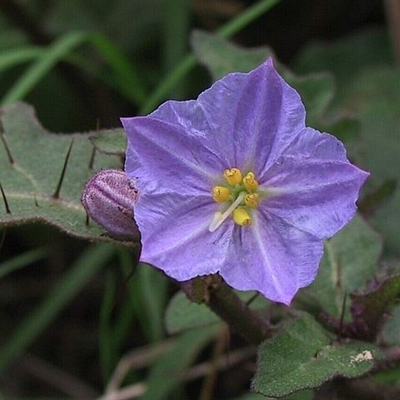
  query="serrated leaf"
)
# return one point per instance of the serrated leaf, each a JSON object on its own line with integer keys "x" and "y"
{"x": 350, "y": 260}
{"x": 31, "y": 165}
{"x": 369, "y": 309}
{"x": 182, "y": 314}
{"x": 303, "y": 356}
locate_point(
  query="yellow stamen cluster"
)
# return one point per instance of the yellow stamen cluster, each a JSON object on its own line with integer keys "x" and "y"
{"x": 239, "y": 193}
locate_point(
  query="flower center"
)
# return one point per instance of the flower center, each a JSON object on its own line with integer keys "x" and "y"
{"x": 238, "y": 195}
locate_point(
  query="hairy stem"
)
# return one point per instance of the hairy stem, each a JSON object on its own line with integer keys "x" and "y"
{"x": 224, "y": 302}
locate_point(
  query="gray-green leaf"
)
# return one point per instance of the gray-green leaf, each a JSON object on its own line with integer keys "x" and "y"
{"x": 350, "y": 260}
{"x": 304, "y": 356}
{"x": 31, "y": 166}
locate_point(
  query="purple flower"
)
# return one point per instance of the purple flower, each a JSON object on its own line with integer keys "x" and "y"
{"x": 234, "y": 183}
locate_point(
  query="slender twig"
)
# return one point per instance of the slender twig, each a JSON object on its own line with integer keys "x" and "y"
{"x": 129, "y": 392}
{"x": 134, "y": 360}
{"x": 223, "y": 363}
{"x": 58, "y": 379}
{"x": 237, "y": 314}
{"x": 211, "y": 378}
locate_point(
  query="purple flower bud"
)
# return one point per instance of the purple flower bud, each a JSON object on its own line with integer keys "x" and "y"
{"x": 108, "y": 199}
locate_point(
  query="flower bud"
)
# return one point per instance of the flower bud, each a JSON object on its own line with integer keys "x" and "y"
{"x": 108, "y": 198}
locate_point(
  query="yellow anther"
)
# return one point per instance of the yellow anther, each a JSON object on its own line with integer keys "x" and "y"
{"x": 251, "y": 200}
{"x": 220, "y": 194}
{"x": 249, "y": 181}
{"x": 233, "y": 176}
{"x": 241, "y": 217}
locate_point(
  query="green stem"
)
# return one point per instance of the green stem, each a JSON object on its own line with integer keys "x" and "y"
{"x": 237, "y": 314}
{"x": 223, "y": 301}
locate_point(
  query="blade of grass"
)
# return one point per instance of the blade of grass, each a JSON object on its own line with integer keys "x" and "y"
{"x": 21, "y": 261}
{"x": 240, "y": 22}
{"x": 147, "y": 290}
{"x": 153, "y": 287}
{"x": 71, "y": 283}
{"x": 175, "y": 29}
{"x": 11, "y": 58}
{"x": 125, "y": 324}
{"x": 168, "y": 83}
{"x": 125, "y": 78}
{"x": 188, "y": 62}
{"x": 38, "y": 70}
{"x": 125, "y": 75}
{"x": 118, "y": 313}
{"x": 106, "y": 342}
{"x": 134, "y": 297}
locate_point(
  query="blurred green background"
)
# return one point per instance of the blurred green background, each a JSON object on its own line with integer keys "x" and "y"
{"x": 70, "y": 310}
